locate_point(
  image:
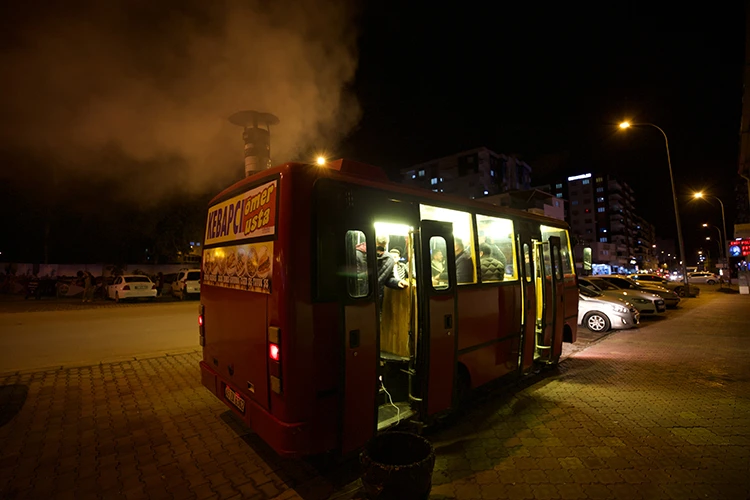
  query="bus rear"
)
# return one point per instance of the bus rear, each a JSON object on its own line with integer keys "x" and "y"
{"x": 240, "y": 324}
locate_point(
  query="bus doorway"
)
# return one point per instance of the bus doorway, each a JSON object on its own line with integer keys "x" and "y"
{"x": 397, "y": 323}
{"x": 549, "y": 294}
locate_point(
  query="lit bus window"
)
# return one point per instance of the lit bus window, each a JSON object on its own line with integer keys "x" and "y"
{"x": 463, "y": 236}
{"x": 566, "y": 254}
{"x": 357, "y": 283}
{"x": 497, "y": 249}
{"x": 558, "y": 271}
{"x": 438, "y": 251}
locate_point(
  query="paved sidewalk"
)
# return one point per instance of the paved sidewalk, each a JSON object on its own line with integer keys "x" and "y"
{"x": 658, "y": 412}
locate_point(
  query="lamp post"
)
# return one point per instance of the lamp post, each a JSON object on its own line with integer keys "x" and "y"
{"x": 625, "y": 125}
{"x": 722, "y": 252}
{"x": 700, "y": 195}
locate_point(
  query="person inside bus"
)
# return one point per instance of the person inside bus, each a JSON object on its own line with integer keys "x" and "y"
{"x": 464, "y": 263}
{"x": 400, "y": 271}
{"x": 492, "y": 268}
{"x": 438, "y": 266}
{"x": 386, "y": 264}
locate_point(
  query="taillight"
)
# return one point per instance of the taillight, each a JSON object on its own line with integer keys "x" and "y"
{"x": 273, "y": 351}
{"x": 126, "y": 287}
{"x": 153, "y": 287}
{"x": 200, "y": 320}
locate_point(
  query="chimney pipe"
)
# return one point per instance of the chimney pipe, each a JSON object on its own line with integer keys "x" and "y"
{"x": 257, "y": 140}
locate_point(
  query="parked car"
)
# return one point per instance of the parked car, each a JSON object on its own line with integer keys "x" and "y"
{"x": 703, "y": 278}
{"x": 644, "y": 302}
{"x": 600, "y": 313}
{"x": 188, "y": 283}
{"x": 677, "y": 287}
{"x": 671, "y": 299}
{"x": 131, "y": 286}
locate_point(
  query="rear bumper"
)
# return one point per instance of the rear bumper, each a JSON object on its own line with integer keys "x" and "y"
{"x": 286, "y": 439}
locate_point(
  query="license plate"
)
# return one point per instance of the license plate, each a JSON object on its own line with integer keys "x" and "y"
{"x": 140, "y": 288}
{"x": 234, "y": 398}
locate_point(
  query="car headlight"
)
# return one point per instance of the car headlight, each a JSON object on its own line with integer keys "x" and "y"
{"x": 619, "y": 309}
{"x": 643, "y": 301}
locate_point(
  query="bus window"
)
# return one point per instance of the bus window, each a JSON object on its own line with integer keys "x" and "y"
{"x": 497, "y": 248}
{"x": 438, "y": 251}
{"x": 463, "y": 233}
{"x": 357, "y": 283}
{"x": 567, "y": 255}
{"x": 527, "y": 261}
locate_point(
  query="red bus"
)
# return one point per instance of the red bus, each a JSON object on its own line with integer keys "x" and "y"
{"x": 336, "y": 304}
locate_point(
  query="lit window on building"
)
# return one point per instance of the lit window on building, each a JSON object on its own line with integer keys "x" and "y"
{"x": 558, "y": 186}
{"x": 600, "y": 199}
{"x": 601, "y": 209}
{"x": 586, "y": 181}
{"x": 603, "y": 240}
{"x": 574, "y": 202}
{"x": 421, "y": 173}
{"x": 600, "y": 190}
{"x": 433, "y": 181}
{"x": 559, "y": 195}
{"x": 599, "y": 179}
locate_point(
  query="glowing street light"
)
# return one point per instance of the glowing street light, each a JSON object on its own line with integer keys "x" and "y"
{"x": 626, "y": 125}
{"x": 320, "y": 161}
{"x": 700, "y": 196}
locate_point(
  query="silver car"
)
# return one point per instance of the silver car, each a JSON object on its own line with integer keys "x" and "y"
{"x": 671, "y": 299}
{"x": 677, "y": 287}
{"x": 645, "y": 302}
{"x": 600, "y": 313}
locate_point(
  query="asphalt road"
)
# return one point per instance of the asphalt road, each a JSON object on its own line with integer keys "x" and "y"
{"x": 92, "y": 335}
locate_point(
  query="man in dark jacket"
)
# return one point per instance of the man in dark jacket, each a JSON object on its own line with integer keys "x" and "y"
{"x": 386, "y": 278}
{"x": 492, "y": 269}
{"x": 464, "y": 263}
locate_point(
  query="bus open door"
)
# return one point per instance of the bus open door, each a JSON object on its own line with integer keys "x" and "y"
{"x": 558, "y": 300}
{"x": 439, "y": 321}
{"x": 528, "y": 301}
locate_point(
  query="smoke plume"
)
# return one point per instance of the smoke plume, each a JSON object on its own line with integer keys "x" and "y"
{"x": 156, "y": 81}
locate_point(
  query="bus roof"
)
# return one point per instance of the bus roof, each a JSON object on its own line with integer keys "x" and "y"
{"x": 375, "y": 177}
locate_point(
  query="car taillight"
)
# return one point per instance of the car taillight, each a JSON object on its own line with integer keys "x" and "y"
{"x": 200, "y": 320}
{"x": 126, "y": 287}
{"x": 273, "y": 352}
{"x": 153, "y": 287}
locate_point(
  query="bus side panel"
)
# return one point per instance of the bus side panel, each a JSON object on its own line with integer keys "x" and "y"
{"x": 489, "y": 315}
{"x": 327, "y": 370}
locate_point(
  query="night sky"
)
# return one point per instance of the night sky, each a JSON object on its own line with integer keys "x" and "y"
{"x": 388, "y": 83}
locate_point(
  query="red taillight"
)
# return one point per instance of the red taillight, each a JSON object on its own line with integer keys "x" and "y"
{"x": 153, "y": 287}
{"x": 200, "y": 320}
{"x": 273, "y": 351}
{"x": 126, "y": 287}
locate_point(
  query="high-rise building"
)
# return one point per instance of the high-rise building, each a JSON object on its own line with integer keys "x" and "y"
{"x": 602, "y": 217}
{"x": 472, "y": 174}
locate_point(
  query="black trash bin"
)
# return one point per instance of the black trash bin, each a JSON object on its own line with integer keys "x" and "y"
{"x": 398, "y": 466}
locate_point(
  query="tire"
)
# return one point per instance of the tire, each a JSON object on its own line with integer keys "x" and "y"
{"x": 184, "y": 295}
{"x": 597, "y": 322}
{"x": 710, "y": 282}
{"x": 680, "y": 291}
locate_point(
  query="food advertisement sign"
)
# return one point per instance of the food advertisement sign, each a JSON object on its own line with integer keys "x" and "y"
{"x": 242, "y": 267}
{"x": 251, "y": 214}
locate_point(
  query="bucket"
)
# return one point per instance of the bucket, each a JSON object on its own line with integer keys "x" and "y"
{"x": 398, "y": 466}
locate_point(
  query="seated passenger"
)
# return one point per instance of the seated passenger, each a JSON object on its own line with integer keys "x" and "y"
{"x": 492, "y": 269}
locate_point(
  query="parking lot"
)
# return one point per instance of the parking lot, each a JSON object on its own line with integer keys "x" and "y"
{"x": 662, "y": 411}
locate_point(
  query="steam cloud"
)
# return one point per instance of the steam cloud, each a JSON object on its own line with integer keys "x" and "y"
{"x": 157, "y": 80}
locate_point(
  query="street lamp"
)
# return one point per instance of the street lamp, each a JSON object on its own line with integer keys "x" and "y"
{"x": 721, "y": 252}
{"x": 700, "y": 195}
{"x": 625, "y": 125}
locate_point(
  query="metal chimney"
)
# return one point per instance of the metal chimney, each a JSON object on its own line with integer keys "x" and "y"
{"x": 257, "y": 139}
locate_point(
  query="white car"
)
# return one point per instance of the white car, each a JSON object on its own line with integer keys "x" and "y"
{"x": 188, "y": 283}
{"x": 599, "y": 313}
{"x": 707, "y": 278}
{"x": 131, "y": 286}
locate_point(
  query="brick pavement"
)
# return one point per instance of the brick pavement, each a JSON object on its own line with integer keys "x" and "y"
{"x": 659, "y": 412}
